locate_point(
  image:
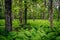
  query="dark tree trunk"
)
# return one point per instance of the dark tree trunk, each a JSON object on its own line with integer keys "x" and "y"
{"x": 51, "y": 13}
{"x": 25, "y": 11}
{"x": 8, "y": 17}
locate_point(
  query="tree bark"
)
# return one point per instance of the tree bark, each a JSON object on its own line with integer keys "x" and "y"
{"x": 25, "y": 11}
{"x": 8, "y": 17}
{"x": 51, "y": 13}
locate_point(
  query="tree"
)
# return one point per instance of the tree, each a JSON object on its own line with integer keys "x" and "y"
{"x": 44, "y": 13}
{"x": 25, "y": 10}
{"x": 51, "y": 13}
{"x": 20, "y": 12}
{"x": 8, "y": 15}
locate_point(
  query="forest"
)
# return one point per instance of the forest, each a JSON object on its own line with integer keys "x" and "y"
{"x": 29, "y": 19}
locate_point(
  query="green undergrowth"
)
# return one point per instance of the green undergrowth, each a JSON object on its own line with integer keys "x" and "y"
{"x": 34, "y": 30}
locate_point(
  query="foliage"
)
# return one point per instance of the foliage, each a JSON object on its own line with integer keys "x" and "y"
{"x": 34, "y": 9}
{"x": 40, "y": 30}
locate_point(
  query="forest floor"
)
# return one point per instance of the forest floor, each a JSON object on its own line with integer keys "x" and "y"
{"x": 34, "y": 30}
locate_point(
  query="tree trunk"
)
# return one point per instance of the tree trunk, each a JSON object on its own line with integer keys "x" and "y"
{"x": 44, "y": 13}
{"x": 25, "y": 12}
{"x": 20, "y": 12}
{"x": 51, "y": 13}
{"x": 8, "y": 17}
